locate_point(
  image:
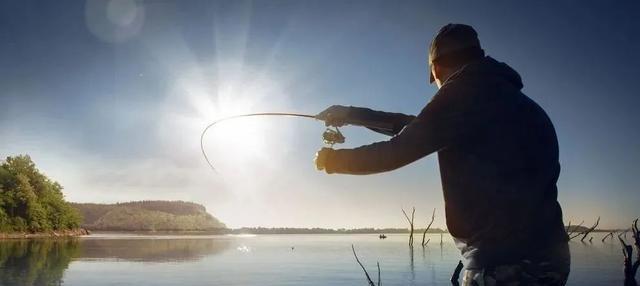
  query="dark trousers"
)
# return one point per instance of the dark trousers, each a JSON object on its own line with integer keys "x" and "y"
{"x": 552, "y": 270}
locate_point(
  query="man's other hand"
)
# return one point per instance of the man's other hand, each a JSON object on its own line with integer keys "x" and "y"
{"x": 335, "y": 115}
{"x": 321, "y": 158}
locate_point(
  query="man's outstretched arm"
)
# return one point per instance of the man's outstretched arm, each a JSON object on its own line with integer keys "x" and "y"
{"x": 424, "y": 135}
{"x": 388, "y": 123}
{"x": 395, "y": 121}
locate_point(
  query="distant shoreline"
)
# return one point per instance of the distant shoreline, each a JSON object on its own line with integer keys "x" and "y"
{"x": 225, "y": 231}
{"x": 287, "y": 230}
{"x": 267, "y": 231}
{"x": 258, "y": 230}
{"x": 49, "y": 234}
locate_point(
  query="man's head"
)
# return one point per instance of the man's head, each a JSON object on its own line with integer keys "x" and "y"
{"x": 454, "y": 46}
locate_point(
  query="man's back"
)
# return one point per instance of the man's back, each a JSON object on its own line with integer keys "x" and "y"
{"x": 499, "y": 173}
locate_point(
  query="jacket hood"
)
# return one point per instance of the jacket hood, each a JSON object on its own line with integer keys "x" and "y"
{"x": 488, "y": 68}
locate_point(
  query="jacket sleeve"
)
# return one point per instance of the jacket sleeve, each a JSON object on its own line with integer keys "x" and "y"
{"x": 395, "y": 121}
{"x": 437, "y": 126}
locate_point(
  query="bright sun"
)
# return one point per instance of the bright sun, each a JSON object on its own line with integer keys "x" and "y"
{"x": 238, "y": 144}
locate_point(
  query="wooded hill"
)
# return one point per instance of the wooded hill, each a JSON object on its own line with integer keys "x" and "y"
{"x": 147, "y": 216}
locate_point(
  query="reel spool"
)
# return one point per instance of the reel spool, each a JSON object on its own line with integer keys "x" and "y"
{"x": 332, "y": 136}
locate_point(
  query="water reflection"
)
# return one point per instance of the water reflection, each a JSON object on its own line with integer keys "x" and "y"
{"x": 43, "y": 262}
{"x": 35, "y": 262}
{"x": 411, "y": 265}
{"x": 151, "y": 250}
{"x": 261, "y": 260}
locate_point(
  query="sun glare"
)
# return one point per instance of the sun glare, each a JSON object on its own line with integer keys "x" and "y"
{"x": 238, "y": 145}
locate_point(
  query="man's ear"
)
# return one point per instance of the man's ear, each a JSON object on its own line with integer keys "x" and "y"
{"x": 436, "y": 71}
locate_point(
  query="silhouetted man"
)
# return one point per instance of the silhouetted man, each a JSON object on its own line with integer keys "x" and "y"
{"x": 498, "y": 157}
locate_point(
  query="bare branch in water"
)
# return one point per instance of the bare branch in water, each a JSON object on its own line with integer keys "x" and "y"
{"x": 433, "y": 216}
{"x": 365, "y": 270}
{"x": 592, "y": 228}
{"x": 379, "y": 283}
{"x": 413, "y": 212}
{"x": 610, "y": 234}
{"x": 630, "y": 267}
{"x": 571, "y": 232}
{"x": 455, "y": 277}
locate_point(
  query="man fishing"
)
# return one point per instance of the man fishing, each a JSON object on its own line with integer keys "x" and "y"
{"x": 498, "y": 156}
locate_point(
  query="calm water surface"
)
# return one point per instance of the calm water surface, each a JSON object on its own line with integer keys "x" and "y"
{"x": 121, "y": 259}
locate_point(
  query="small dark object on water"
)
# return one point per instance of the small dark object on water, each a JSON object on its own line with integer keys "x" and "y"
{"x": 382, "y": 236}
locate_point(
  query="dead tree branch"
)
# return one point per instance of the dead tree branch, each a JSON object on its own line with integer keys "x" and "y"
{"x": 630, "y": 267}
{"x": 610, "y": 234}
{"x": 455, "y": 277}
{"x": 413, "y": 212}
{"x": 571, "y": 232}
{"x": 378, "y": 264}
{"x": 365, "y": 270}
{"x": 433, "y": 216}
{"x": 589, "y": 230}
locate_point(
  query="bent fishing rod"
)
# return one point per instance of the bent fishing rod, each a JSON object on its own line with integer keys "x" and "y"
{"x": 330, "y": 136}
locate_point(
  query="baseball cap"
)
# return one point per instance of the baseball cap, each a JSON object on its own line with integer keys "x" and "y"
{"x": 451, "y": 40}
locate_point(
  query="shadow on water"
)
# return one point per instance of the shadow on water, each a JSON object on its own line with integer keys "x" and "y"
{"x": 35, "y": 262}
{"x": 44, "y": 261}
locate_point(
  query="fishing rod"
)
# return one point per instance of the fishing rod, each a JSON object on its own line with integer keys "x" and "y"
{"x": 330, "y": 136}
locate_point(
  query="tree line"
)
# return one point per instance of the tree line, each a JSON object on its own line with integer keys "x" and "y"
{"x": 30, "y": 201}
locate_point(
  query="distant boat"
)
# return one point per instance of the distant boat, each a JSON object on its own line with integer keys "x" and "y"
{"x": 382, "y": 236}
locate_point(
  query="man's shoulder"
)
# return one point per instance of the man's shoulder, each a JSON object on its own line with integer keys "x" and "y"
{"x": 458, "y": 92}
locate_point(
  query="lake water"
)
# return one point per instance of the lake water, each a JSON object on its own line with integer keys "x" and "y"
{"x": 121, "y": 259}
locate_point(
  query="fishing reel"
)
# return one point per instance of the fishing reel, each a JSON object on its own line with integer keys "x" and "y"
{"x": 332, "y": 136}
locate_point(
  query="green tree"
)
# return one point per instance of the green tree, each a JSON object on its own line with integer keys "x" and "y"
{"x": 29, "y": 201}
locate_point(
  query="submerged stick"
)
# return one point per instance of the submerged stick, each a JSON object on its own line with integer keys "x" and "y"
{"x": 606, "y": 236}
{"x": 630, "y": 267}
{"x": 433, "y": 216}
{"x": 365, "y": 270}
{"x": 572, "y": 232}
{"x": 586, "y": 232}
{"x": 379, "y": 283}
{"x": 455, "y": 277}
{"x": 410, "y": 224}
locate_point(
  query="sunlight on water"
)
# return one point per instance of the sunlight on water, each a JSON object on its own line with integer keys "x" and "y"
{"x": 133, "y": 259}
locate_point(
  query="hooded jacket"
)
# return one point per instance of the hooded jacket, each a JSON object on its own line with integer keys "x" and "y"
{"x": 498, "y": 157}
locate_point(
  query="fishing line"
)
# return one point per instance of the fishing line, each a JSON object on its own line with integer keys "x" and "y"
{"x": 204, "y": 153}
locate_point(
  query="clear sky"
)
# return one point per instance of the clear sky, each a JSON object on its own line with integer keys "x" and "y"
{"x": 109, "y": 98}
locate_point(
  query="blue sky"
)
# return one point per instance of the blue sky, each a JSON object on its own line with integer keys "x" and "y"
{"x": 109, "y": 98}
